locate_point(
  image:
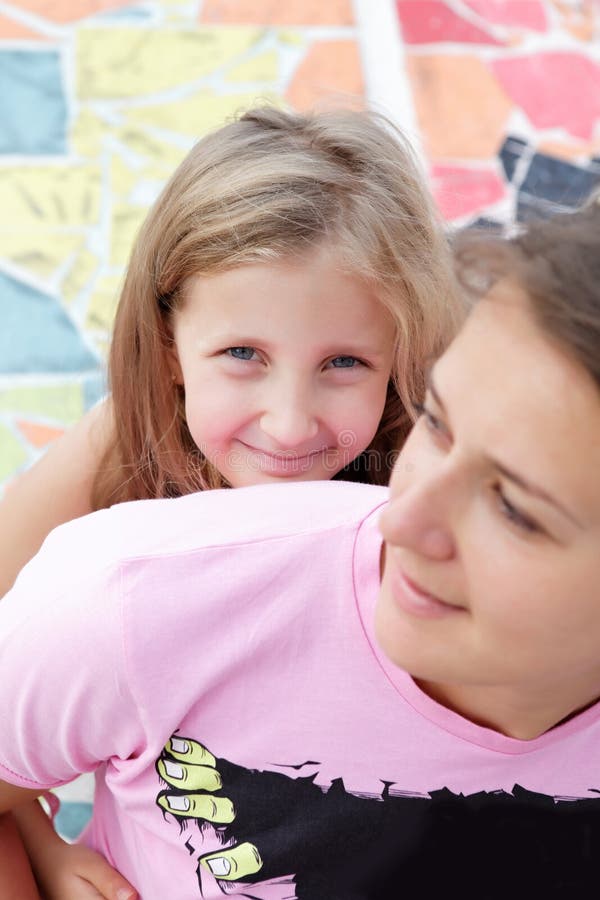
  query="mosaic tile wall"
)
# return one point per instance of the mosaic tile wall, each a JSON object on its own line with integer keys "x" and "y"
{"x": 100, "y": 99}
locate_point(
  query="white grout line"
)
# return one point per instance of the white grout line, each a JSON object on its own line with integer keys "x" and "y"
{"x": 384, "y": 62}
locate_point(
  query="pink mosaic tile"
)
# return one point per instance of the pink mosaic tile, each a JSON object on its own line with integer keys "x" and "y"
{"x": 554, "y": 90}
{"x": 431, "y": 21}
{"x": 528, "y": 14}
{"x": 461, "y": 191}
{"x": 331, "y": 72}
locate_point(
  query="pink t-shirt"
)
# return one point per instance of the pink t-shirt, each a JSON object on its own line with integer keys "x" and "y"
{"x": 232, "y": 630}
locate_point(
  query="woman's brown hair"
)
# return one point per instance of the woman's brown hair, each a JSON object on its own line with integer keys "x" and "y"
{"x": 557, "y": 262}
{"x": 273, "y": 184}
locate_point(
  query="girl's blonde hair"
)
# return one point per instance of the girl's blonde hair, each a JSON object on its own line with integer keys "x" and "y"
{"x": 271, "y": 185}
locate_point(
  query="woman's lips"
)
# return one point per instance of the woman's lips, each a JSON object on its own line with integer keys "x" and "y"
{"x": 412, "y": 599}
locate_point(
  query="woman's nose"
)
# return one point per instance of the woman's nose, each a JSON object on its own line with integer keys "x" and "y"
{"x": 418, "y": 518}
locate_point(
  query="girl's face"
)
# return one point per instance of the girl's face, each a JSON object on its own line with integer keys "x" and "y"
{"x": 285, "y": 367}
{"x": 492, "y": 568}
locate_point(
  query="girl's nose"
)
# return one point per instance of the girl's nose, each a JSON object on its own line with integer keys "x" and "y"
{"x": 289, "y": 424}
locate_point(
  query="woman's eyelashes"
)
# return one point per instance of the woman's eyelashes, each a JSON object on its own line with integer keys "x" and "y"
{"x": 514, "y": 515}
{"x": 432, "y": 422}
{"x": 511, "y": 513}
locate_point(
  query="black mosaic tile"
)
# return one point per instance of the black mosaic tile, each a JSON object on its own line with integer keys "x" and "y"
{"x": 559, "y": 182}
{"x": 510, "y": 153}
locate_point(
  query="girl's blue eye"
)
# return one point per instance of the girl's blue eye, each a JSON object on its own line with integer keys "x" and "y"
{"x": 344, "y": 362}
{"x": 244, "y": 353}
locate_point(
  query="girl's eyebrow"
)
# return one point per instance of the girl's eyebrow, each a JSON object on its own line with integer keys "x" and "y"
{"x": 507, "y": 472}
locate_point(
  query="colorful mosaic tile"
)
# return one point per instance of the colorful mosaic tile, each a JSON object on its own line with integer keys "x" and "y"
{"x": 32, "y": 81}
{"x": 462, "y": 110}
{"x": 274, "y": 12}
{"x": 433, "y": 21}
{"x": 516, "y": 14}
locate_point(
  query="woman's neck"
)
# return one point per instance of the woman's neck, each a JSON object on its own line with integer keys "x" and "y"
{"x": 508, "y": 711}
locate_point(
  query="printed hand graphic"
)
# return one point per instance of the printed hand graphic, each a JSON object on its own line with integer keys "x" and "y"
{"x": 192, "y": 769}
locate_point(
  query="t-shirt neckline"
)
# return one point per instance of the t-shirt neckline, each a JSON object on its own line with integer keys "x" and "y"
{"x": 366, "y": 584}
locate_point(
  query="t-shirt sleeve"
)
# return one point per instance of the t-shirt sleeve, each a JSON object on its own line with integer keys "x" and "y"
{"x": 65, "y": 705}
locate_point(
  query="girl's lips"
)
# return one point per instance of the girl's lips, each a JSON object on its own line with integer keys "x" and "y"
{"x": 410, "y": 598}
{"x": 282, "y": 463}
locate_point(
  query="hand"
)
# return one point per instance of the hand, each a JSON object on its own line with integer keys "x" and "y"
{"x": 78, "y": 873}
{"x": 67, "y": 871}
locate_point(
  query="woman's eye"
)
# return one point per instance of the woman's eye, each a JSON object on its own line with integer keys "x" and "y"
{"x": 510, "y": 512}
{"x": 432, "y": 422}
{"x": 344, "y": 362}
{"x": 244, "y": 353}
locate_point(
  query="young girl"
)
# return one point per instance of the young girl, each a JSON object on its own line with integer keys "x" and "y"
{"x": 299, "y": 710}
{"x": 280, "y": 306}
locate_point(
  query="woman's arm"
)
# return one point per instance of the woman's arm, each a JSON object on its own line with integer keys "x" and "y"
{"x": 55, "y": 490}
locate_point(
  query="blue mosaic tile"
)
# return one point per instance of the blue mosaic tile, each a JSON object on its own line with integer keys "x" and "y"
{"x": 129, "y": 13}
{"x": 72, "y": 818}
{"x": 36, "y": 333}
{"x": 94, "y": 389}
{"x": 33, "y": 108}
{"x": 484, "y": 224}
{"x": 559, "y": 182}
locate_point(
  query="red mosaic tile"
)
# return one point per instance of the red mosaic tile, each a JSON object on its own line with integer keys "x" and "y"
{"x": 431, "y": 21}
{"x": 331, "y": 72}
{"x": 554, "y": 90}
{"x": 460, "y": 191}
{"x": 528, "y": 14}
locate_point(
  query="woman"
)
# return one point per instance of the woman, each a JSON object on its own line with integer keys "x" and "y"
{"x": 431, "y": 728}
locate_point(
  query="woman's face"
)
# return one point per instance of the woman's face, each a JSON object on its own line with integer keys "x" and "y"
{"x": 492, "y": 570}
